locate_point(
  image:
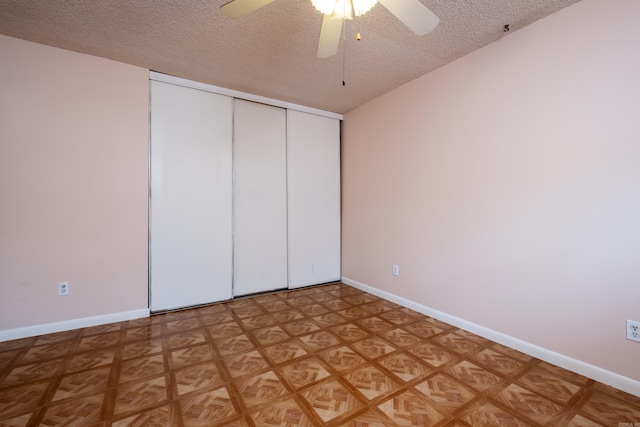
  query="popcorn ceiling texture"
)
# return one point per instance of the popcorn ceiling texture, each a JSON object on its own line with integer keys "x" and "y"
{"x": 271, "y": 52}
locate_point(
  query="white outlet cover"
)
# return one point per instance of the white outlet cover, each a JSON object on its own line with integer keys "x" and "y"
{"x": 63, "y": 288}
{"x": 633, "y": 330}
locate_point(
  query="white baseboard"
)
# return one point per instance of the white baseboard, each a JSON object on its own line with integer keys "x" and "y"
{"x": 590, "y": 371}
{"x": 66, "y": 325}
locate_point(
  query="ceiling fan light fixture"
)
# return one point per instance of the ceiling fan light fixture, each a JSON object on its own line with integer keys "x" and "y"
{"x": 343, "y": 9}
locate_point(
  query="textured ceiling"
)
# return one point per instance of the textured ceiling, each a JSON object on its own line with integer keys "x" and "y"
{"x": 271, "y": 52}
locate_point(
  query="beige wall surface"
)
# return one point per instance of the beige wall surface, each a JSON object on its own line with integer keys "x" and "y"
{"x": 506, "y": 186}
{"x": 73, "y": 185}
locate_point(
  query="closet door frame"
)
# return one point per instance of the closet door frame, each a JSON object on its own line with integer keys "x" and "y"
{"x": 163, "y": 78}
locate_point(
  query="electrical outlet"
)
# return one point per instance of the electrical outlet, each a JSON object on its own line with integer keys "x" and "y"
{"x": 395, "y": 270}
{"x": 63, "y": 288}
{"x": 633, "y": 330}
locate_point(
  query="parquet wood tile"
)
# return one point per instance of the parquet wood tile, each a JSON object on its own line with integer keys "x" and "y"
{"x": 19, "y": 421}
{"x": 457, "y": 343}
{"x": 21, "y": 399}
{"x": 285, "y": 351}
{"x": 580, "y": 421}
{"x": 141, "y": 368}
{"x": 489, "y": 415}
{"x": 207, "y": 408}
{"x": 17, "y": 344}
{"x": 225, "y": 330}
{"x": 182, "y": 325}
{"x": 377, "y": 307}
{"x": 353, "y": 313}
{"x": 87, "y": 382}
{"x": 318, "y": 341}
{"x": 198, "y": 377}
{"x": 301, "y": 327}
{"x": 56, "y": 337}
{"x": 270, "y": 335}
{"x": 245, "y": 363}
{"x": 315, "y": 310}
{"x": 216, "y": 318}
{"x": 411, "y": 409}
{"x": 142, "y": 348}
{"x": 258, "y": 321}
{"x": 79, "y": 412}
{"x": 276, "y": 306}
{"x": 326, "y": 355}
{"x": 422, "y": 329}
{"x": 286, "y": 413}
{"x": 143, "y": 332}
{"x": 142, "y": 394}
{"x": 93, "y": 342}
{"x": 372, "y": 382}
{"x": 548, "y": 384}
{"x": 497, "y": 361}
{"x": 473, "y": 375}
{"x": 397, "y": 317}
{"x": 400, "y": 337}
{"x": 260, "y": 389}
{"x": 191, "y": 355}
{"x": 360, "y": 299}
{"x": 7, "y": 357}
{"x": 349, "y": 332}
{"x": 404, "y": 366}
{"x": 157, "y": 417}
{"x": 234, "y": 345}
{"x": 373, "y": 347}
{"x": 609, "y": 410}
{"x": 322, "y": 296}
{"x": 331, "y": 400}
{"x": 370, "y": 419}
{"x": 83, "y": 361}
{"x": 336, "y": 304}
{"x": 32, "y": 372}
{"x": 446, "y": 392}
{"x": 187, "y": 338}
{"x": 528, "y": 404}
{"x": 101, "y": 329}
{"x": 304, "y": 372}
{"x": 287, "y": 315}
{"x": 342, "y": 358}
{"x": 300, "y": 301}
{"x": 47, "y": 351}
{"x": 329, "y": 319}
{"x": 375, "y": 324}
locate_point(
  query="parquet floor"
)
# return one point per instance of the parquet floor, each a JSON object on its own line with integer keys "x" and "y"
{"x": 329, "y": 355}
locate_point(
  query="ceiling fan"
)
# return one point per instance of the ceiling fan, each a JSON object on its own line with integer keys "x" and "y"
{"x": 412, "y": 13}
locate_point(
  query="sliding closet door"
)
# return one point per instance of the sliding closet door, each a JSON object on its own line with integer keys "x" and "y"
{"x": 191, "y": 182}
{"x": 260, "y": 198}
{"x": 313, "y": 157}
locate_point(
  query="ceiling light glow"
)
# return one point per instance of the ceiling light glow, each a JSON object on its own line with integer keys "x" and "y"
{"x": 343, "y": 9}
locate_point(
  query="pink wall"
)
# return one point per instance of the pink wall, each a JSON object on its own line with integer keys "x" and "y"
{"x": 73, "y": 185}
{"x": 506, "y": 186}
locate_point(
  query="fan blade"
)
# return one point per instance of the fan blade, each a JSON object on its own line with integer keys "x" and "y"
{"x": 329, "y": 36}
{"x": 413, "y": 14}
{"x": 240, "y": 8}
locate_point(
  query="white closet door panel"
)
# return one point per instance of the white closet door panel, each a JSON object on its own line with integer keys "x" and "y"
{"x": 313, "y": 158}
{"x": 260, "y": 198}
{"x": 191, "y": 184}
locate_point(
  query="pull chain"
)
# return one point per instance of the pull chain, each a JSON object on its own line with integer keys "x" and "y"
{"x": 344, "y": 50}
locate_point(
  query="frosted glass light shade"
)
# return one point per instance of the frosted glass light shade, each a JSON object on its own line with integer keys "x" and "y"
{"x": 343, "y": 9}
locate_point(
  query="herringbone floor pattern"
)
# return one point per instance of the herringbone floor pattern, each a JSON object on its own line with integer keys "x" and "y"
{"x": 327, "y": 355}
